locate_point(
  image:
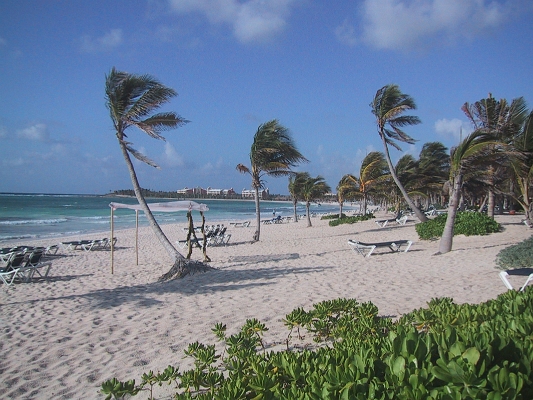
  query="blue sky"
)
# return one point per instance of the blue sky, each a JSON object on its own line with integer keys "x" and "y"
{"x": 313, "y": 65}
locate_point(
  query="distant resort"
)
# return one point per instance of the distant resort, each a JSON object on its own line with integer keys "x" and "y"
{"x": 206, "y": 193}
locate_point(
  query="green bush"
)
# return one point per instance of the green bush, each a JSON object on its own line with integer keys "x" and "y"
{"x": 517, "y": 256}
{"x": 351, "y": 220}
{"x": 443, "y": 351}
{"x": 333, "y": 216}
{"x": 466, "y": 223}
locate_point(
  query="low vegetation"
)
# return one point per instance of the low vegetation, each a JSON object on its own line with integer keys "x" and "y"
{"x": 517, "y": 256}
{"x": 350, "y": 220}
{"x": 443, "y": 351}
{"x": 467, "y": 223}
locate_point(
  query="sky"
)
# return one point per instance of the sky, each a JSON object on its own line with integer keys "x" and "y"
{"x": 314, "y": 65}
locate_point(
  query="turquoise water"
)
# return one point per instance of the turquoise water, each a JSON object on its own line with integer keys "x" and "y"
{"x": 26, "y": 216}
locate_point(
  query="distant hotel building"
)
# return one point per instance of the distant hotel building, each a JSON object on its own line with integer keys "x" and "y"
{"x": 247, "y": 193}
{"x": 201, "y": 192}
{"x": 210, "y": 192}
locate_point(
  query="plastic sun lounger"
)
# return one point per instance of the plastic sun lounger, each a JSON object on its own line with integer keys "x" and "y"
{"x": 504, "y": 277}
{"x": 366, "y": 249}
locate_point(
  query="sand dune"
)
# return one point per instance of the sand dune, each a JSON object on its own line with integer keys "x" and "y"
{"x": 63, "y": 337}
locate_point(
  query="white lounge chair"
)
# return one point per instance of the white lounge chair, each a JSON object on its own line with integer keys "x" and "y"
{"x": 366, "y": 249}
{"x": 504, "y": 277}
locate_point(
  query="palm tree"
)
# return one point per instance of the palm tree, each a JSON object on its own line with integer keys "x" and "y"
{"x": 503, "y": 121}
{"x": 388, "y": 106}
{"x": 477, "y": 144}
{"x": 347, "y": 188}
{"x": 434, "y": 169}
{"x": 523, "y": 167}
{"x": 313, "y": 189}
{"x": 295, "y": 183}
{"x": 132, "y": 100}
{"x": 373, "y": 171}
{"x": 273, "y": 153}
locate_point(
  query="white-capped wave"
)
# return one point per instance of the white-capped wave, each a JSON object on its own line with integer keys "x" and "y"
{"x": 34, "y": 221}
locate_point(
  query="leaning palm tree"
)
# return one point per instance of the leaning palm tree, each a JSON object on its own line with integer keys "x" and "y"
{"x": 273, "y": 153}
{"x": 388, "y": 106}
{"x": 295, "y": 183}
{"x": 311, "y": 190}
{"x": 373, "y": 172}
{"x": 132, "y": 100}
{"x": 474, "y": 146}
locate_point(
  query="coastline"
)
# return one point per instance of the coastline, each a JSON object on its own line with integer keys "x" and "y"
{"x": 83, "y": 326}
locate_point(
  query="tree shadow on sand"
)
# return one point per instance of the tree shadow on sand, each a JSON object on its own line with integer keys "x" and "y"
{"x": 214, "y": 281}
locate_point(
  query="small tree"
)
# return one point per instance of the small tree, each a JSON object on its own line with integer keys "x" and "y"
{"x": 295, "y": 183}
{"x": 311, "y": 190}
{"x": 273, "y": 153}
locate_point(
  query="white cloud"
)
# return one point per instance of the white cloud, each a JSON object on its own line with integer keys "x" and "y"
{"x": 251, "y": 20}
{"x": 452, "y": 129}
{"x": 104, "y": 43}
{"x": 37, "y": 132}
{"x": 171, "y": 157}
{"x": 345, "y": 33}
{"x": 408, "y": 24}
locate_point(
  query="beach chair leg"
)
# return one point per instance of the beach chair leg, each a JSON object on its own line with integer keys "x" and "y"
{"x": 529, "y": 279}
{"x": 503, "y": 275}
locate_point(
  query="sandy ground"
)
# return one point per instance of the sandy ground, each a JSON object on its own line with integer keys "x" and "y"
{"x": 61, "y": 338}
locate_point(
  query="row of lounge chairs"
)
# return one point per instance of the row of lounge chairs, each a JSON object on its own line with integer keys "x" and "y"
{"x": 24, "y": 266}
{"x": 88, "y": 245}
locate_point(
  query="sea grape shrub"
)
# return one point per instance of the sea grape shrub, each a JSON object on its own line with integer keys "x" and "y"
{"x": 351, "y": 220}
{"x": 442, "y": 351}
{"x": 466, "y": 223}
{"x": 517, "y": 256}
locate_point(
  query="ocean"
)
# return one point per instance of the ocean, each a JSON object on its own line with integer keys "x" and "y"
{"x": 28, "y": 216}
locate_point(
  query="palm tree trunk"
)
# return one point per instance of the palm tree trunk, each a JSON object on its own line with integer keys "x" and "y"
{"x": 151, "y": 220}
{"x": 294, "y": 202}
{"x": 446, "y": 240}
{"x": 340, "y": 209}
{"x": 490, "y": 204}
{"x": 258, "y": 216}
{"x": 420, "y": 215}
{"x": 307, "y": 207}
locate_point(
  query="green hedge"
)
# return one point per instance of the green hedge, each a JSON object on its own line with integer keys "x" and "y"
{"x": 466, "y": 223}
{"x": 351, "y": 220}
{"x": 517, "y": 256}
{"x": 443, "y": 352}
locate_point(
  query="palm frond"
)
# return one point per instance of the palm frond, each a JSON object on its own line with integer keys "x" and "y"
{"x": 139, "y": 156}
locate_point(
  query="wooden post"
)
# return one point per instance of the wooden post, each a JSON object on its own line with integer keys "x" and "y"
{"x": 112, "y": 241}
{"x": 137, "y": 235}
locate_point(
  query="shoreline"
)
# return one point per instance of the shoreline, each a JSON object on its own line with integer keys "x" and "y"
{"x": 64, "y": 336}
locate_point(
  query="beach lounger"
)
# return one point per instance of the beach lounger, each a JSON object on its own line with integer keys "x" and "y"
{"x": 366, "y": 249}
{"x": 243, "y": 224}
{"x": 11, "y": 270}
{"x": 36, "y": 265}
{"x": 399, "y": 221}
{"x": 505, "y": 274}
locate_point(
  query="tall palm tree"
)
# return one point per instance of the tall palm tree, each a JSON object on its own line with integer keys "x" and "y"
{"x": 295, "y": 183}
{"x": 388, "y": 106}
{"x": 273, "y": 153}
{"x": 475, "y": 145}
{"x": 311, "y": 190}
{"x": 503, "y": 120}
{"x": 132, "y": 100}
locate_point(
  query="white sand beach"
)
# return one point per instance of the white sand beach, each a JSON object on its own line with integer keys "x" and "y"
{"x": 63, "y": 337}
